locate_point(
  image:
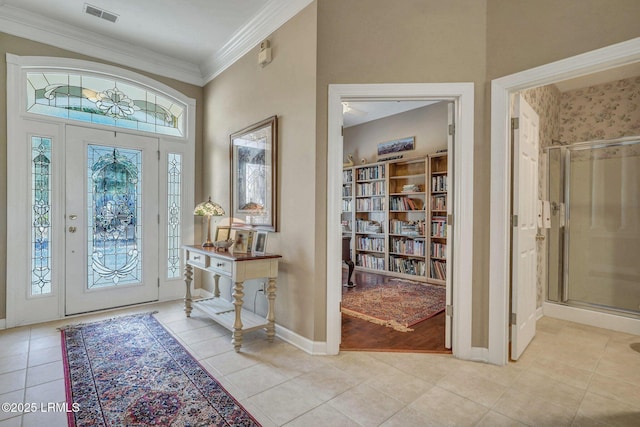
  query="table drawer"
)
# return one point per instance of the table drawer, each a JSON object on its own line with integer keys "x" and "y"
{"x": 221, "y": 266}
{"x": 198, "y": 260}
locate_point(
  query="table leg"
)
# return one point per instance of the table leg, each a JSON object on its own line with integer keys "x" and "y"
{"x": 271, "y": 314}
{"x": 216, "y": 287}
{"x": 188, "y": 276}
{"x": 351, "y": 266}
{"x": 238, "y": 294}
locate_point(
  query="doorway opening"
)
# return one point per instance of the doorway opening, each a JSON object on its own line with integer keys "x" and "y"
{"x": 461, "y": 95}
{"x": 501, "y": 154}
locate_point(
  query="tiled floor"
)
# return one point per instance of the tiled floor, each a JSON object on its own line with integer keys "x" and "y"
{"x": 570, "y": 375}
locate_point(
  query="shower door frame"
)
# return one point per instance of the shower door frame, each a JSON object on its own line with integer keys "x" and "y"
{"x": 565, "y": 175}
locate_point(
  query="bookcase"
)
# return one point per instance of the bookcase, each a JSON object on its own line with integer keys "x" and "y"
{"x": 396, "y": 215}
{"x": 438, "y": 218}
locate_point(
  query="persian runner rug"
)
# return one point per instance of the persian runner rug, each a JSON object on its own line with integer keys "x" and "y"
{"x": 129, "y": 371}
{"x": 397, "y": 304}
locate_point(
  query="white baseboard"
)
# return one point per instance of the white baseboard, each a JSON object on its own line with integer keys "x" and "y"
{"x": 315, "y": 348}
{"x": 592, "y": 318}
{"x": 3, "y": 323}
{"x": 539, "y": 313}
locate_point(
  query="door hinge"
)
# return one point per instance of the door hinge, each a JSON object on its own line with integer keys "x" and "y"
{"x": 452, "y": 129}
{"x": 515, "y": 123}
{"x": 158, "y": 282}
{"x": 449, "y": 310}
{"x": 450, "y": 220}
{"x": 158, "y": 218}
{"x": 514, "y": 220}
{"x": 158, "y": 154}
{"x": 513, "y": 319}
{"x": 341, "y": 130}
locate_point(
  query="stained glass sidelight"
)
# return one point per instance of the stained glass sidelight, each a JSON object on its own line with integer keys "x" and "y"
{"x": 114, "y": 212}
{"x": 174, "y": 193}
{"x": 104, "y": 100}
{"x": 40, "y": 215}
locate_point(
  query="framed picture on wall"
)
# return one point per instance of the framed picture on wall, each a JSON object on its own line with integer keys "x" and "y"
{"x": 397, "y": 146}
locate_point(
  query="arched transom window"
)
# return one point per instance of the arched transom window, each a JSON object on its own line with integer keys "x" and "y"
{"x": 104, "y": 100}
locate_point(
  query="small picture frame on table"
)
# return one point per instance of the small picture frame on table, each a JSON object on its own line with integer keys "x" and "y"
{"x": 222, "y": 233}
{"x": 242, "y": 240}
{"x": 260, "y": 242}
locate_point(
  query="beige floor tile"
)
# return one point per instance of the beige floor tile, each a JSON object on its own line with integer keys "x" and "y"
{"x": 15, "y": 347}
{"x": 45, "y": 342}
{"x": 441, "y": 407}
{"x": 326, "y": 382}
{"x": 49, "y": 419}
{"x": 323, "y": 415}
{"x": 621, "y": 371}
{"x": 51, "y": 392}
{"x": 477, "y": 389}
{"x": 47, "y": 355}
{"x": 12, "y": 422}
{"x": 12, "y": 363}
{"x": 366, "y": 405}
{"x": 611, "y": 388}
{"x": 204, "y": 333}
{"x": 409, "y": 416}
{"x": 401, "y": 386}
{"x": 205, "y": 349}
{"x": 45, "y": 373}
{"x": 189, "y": 323}
{"x": 230, "y": 362}
{"x": 427, "y": 367}
{"x": 494, "y": 419}
{"x": 608, "y": 411}
{"x": 533, "y": 410}
{"x": 360, "y": 365}
{"x": 285, "y": 402}
{"x": 255, "y": 379}
{"x": 562, "y": 372}
{"x": 12, "y": 381}
{"x": 16, "y": 397}
{"x": 503, "y": 375}
{"x": 549, "y": 389}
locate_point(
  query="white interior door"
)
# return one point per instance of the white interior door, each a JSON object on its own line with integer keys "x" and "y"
{"x": 451, "y": 181}
{"x": 111, "y": 219}
{"x": 525, "y": 196}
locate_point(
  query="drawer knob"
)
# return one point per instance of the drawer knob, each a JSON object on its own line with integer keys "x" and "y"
{"x": 220, "y": 264}
{"x": 196, "y": 257}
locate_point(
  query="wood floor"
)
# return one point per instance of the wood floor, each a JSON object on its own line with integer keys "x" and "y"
{"x": 358, "y": 334}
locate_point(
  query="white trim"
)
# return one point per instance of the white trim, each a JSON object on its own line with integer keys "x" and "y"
{"x": 463, "y": 94}
{"x": 539, "y": 313}
{"x": 3, "y": 324}
{"x": 598, "y": 319}
{"x": 500, "y": 247}
{"x": 305, "y": 344}
{"x": 31, "y": 26}
{"x": 269, "y": 19}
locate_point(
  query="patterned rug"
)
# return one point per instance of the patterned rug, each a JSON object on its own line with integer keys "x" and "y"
{"x": 129, "y": 371}
{"x": 397, "y": 303}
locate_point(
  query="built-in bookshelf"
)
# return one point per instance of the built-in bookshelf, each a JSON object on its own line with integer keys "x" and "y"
{"x": 438, "y": 200}
{"x": 370, "y": 216}
{"x": 407, "y": 217}
{"x": 397, "y": 217}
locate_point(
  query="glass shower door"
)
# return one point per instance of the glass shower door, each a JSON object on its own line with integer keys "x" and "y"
{"x": 602, "y": 229}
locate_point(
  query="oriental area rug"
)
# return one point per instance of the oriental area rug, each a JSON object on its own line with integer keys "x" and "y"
{"x": 129, "y": 371}
{"x": 398, "y": 304}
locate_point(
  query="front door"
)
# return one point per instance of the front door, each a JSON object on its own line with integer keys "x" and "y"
{"x": 111, "y": 219}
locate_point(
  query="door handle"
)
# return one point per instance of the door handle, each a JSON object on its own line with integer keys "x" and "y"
{"x": 72, "y": 229}
{"x": 539, "y": 237}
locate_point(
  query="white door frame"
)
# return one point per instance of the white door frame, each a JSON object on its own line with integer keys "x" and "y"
{"x": 500, "y": 244}
{"x": 463, "y": 95}
{"x": 19, "y": 123}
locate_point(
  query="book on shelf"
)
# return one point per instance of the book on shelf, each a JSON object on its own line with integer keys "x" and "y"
{"x": 406, "y": 228}
{"x": 407, "y": 266}
{"x": 439, "y": 183}
{"x": 410, "y": 188}
{"x": 438, "y": 270}
{"x": 402, "y": 203}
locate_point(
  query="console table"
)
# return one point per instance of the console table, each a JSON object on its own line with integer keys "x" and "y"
{"x": 237, "y": 268}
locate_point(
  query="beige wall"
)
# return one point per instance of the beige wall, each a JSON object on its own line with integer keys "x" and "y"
{"x": 407, "y": 41}
{"x": 247, "y": 93}
{"x": 427, "y": 124}
{"x": 22, "y": 47}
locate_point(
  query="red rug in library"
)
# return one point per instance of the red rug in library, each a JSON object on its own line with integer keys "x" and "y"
{"x": 130, "y": 371}
{"x": 398, "y": 304}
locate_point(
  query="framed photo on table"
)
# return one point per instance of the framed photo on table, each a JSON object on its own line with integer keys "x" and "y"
{"x": 260, "y": 242}
{"x": 242, "y": 241}
{"x": 222, "y": 233}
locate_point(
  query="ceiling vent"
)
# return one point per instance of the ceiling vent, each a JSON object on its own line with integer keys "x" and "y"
{"x": 100, "y": 13}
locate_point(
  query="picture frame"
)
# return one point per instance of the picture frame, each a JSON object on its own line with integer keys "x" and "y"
{"x": 254, "y": 171}
{"x": 222, "y": 233}
{"x": 260, "y": 242}
{"x": 242, "y": 241}
{"x": 397, "y": 146}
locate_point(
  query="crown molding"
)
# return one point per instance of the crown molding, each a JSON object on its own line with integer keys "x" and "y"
{"x": 21, "y": 23}
{"x": 271, "y": 17}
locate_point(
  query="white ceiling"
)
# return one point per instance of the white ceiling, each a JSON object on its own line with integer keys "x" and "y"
{"x": 359, "y": 112}
{"x": 189, "y": 40}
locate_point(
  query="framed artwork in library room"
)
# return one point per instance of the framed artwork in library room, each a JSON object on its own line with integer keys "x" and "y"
{"x": 397, "y": 146}
{"x": 254, "y": 168}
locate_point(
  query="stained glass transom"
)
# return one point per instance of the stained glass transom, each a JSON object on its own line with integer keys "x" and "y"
{"x": 40, "y": 215}
{"x": 114, "y": 212}
{"x": 174, "y": 193}
{"x": 105, "y": 101}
